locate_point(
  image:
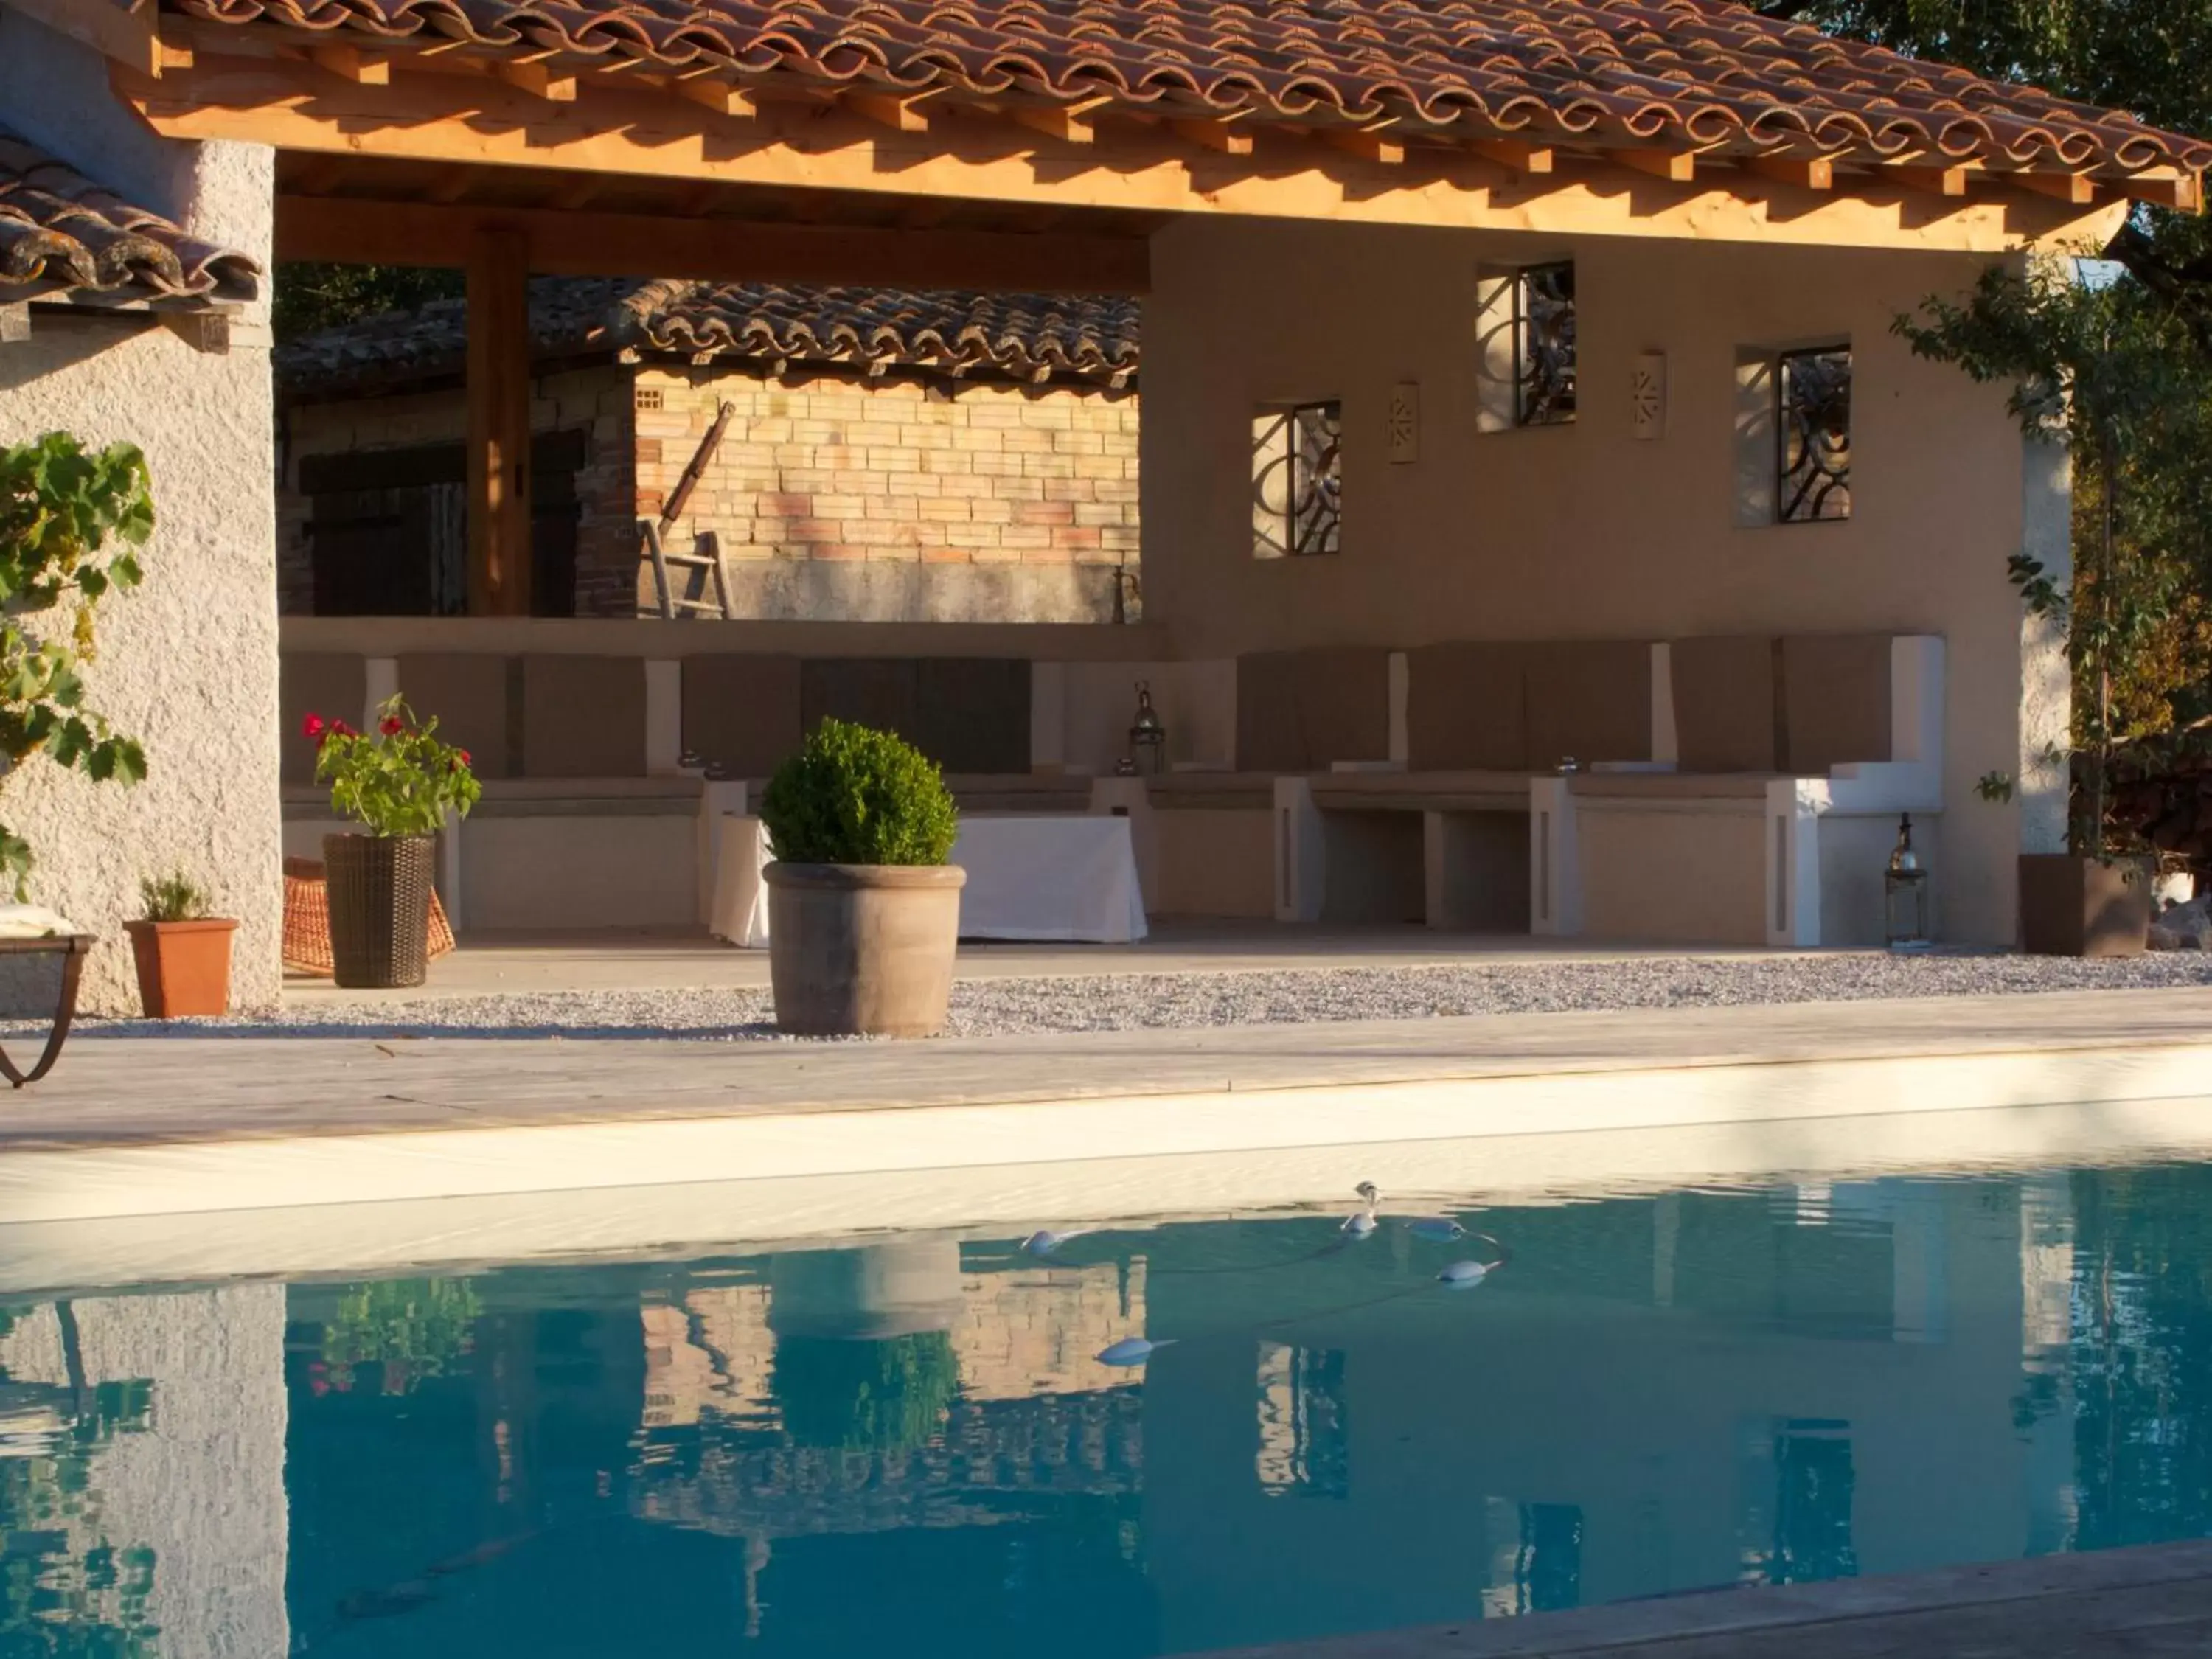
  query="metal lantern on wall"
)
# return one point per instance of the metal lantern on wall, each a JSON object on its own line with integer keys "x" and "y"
{"x": 1148, "y": 737}
{"x": 1904, "y": 894}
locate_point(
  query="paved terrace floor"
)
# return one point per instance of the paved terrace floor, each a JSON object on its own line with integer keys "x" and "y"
{"x": 151, "y": 1091}
{"x": 2112, "y": 1604}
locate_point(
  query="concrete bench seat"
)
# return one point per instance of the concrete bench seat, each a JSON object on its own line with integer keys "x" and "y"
{"x": 1020, "y": 793}
{"x": 1420, "y": 792}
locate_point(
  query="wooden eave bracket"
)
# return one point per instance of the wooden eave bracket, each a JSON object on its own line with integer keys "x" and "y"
{"x": 533, "y": 77}
{"x": 1377, "y": 141}
{"x": 1220, "y": 132}
{"x": 1518, "y": 153}
{"x": 15, "y": 322}
{"x": 1072, "y": 124}
{"x": 1804, "y": 172}
{"x": 348, "y": 63}
{"x": 207, "y": 332}
{"x": 2075, "y": 189}
{"x": 1676, "y": 167}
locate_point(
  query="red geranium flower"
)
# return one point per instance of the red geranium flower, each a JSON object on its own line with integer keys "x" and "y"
{"x": 340, "y": 729}
{"x": 391, "y": 726}
{"x": 312, "y": 727}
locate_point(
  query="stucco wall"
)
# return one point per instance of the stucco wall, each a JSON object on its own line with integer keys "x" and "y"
{"x": 1581, "y": 530}
{"x": 187, "y": 662}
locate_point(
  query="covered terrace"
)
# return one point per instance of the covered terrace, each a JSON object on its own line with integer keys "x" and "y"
{"x": 1518, "y": 388}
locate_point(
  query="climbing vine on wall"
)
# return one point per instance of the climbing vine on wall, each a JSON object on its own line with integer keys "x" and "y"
{"x": 71, "y": 523}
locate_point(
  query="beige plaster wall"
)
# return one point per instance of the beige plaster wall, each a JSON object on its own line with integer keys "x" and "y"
{"x": 1583, "y": 530}
{"x": 187, "y": 662}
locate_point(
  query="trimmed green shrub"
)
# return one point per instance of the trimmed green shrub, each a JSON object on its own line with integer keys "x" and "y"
{"x": 856, "y": 796}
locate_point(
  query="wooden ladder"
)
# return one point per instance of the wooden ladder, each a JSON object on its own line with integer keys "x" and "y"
{"x": 708, "y": 554}
{"x": 709, "y": 558}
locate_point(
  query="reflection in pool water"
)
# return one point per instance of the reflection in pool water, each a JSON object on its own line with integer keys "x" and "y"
{"x": 924, "y": 1445}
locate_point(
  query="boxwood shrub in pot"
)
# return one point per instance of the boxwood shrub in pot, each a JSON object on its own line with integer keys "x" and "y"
{"x": 864, "y": 913}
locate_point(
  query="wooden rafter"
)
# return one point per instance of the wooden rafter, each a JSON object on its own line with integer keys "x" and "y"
{"x": 1676, "y": 167}
{"x": 1949, "y": 181}
{"x": 627, "y": 127}
{"x": 1517, "y": 153}
{"x": 366, "y": 69}
{"x": 1806, "y": 172}
{"x": 2076, "y": 189}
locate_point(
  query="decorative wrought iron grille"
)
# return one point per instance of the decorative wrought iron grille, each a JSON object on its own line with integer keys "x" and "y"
{"x": 1813, "y": 389}
{"x": 1544, "y": 344}
{"x": 1298, "y": 498}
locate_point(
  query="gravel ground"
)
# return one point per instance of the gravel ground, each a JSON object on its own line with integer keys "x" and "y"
{"x": 1187, "y": 1001}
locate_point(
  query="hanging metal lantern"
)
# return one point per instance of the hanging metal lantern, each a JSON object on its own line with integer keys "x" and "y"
{"x": 1905, "y": 895}
{"x": 1148, "y": 737}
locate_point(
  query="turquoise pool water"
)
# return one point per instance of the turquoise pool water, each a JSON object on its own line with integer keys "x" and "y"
{"x": 912, "y": 1448}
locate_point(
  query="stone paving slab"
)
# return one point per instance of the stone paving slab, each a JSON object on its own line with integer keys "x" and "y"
{"x": 155, "y": 1091}
{"x": 2153, "y": 1601}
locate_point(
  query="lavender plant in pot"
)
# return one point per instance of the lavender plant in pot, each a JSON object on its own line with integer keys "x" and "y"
{"x": 399, "y": 783}
{"x": 863, "y": 912}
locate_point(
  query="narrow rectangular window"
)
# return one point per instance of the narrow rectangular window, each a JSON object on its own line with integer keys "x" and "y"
{"x": 1813, "y": 429}
{"x": 1544, "y": 344}
{"x": 1297, "y": 480}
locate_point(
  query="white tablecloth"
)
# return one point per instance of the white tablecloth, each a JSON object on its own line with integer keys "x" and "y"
{"x": 1031, "y": 876}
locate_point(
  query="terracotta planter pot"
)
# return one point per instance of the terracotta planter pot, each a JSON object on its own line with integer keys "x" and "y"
{"x": 380, "y": 899}
{"x": 862, "y": 949}
{"x": 184, "y": 967}
{"x": 2072, "y": 905}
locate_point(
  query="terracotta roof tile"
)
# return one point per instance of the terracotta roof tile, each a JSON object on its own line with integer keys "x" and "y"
{"x": 1696, "y": 72}
{"x": 59, "y": 231}
{"x": 1022, "y": 337}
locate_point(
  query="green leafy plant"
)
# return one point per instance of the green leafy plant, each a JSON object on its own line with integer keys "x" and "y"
{"x": 852, "y": 795}
{"x": 71, "y": 521}
{"x": 397, "y": 780}
{"x": 174, "y": 897}
{"x": 2104, "y": 369}
{"x": 1995, "y": 787}
{"x": 409, "y": 1328}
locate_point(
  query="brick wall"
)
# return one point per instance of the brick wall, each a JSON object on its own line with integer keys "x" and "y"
{"x": 993, "y": 497}
{"x": 833, "y": 496}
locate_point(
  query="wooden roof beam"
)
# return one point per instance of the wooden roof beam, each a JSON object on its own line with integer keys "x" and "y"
{"x": 2076, "y": 189}
{"x": 1217, "y": 135}
{"x": 1676, "y": 167}
{"x": 583, "y": 243}
{"x": 363, "y": 69}
{"x": 1806, "y": 172}
{"x": 127, "y": 35}
{"x": 1514, "y": 153}
{"x": 2183, "y": 191}
{"x": 900, "y": 114}
{"x": 532, "y": 75}
{"x": 1369, "y": 144}
{"x": 1072, "y": 124}
{"x": 706, "y": 90}
{"x": 1949, "y": 181}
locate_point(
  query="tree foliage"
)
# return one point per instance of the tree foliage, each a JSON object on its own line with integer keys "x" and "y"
{"x": 71, "y": 523}
{"x": 310, "y": 297}
{"x": 2109, "y": 369}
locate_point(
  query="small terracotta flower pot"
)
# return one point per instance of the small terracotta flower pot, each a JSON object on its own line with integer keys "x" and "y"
{"x": 184, "y": 967}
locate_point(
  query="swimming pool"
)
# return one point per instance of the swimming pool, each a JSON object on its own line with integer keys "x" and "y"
{"x": 912, "y": 1445}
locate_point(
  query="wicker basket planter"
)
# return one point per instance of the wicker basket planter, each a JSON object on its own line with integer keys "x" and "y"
{"x": 379, "y": 902}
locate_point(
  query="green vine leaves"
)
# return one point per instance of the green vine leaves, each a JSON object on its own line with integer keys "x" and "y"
{"x": 72, "y": 521}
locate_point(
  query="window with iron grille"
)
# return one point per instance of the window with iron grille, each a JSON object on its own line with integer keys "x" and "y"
{"x": 1544, "y": 344}
{"x": 1297, "y": 496}
{"x": 1812, "y": 424}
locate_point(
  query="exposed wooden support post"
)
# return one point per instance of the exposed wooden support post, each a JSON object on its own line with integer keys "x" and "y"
{"x": 498, "y": 424}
